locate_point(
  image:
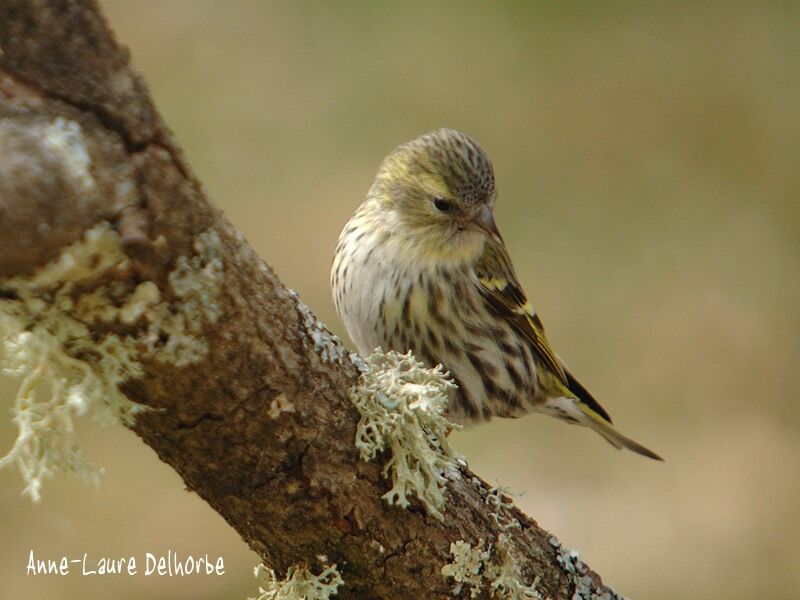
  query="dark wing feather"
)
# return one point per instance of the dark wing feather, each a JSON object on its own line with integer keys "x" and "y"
{"x": 503, "y": 293}
{"x": 584, "y": 396}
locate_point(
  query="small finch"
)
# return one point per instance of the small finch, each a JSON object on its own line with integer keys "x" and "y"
{"x": 421, "y": 266}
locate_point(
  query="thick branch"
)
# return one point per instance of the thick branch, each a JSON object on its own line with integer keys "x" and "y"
{"x": 291, "y": 483}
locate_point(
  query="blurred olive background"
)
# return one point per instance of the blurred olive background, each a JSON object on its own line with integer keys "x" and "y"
{"x": 649, "y": 191}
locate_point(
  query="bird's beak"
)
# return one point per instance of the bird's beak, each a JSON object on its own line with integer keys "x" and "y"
{"x": 484, "y": 221}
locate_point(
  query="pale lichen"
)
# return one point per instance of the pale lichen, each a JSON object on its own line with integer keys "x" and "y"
{"x": 64, "y": 372}
{"x": 299, "y": 584}
{"x": 68, "y": 369}
{"x": 359, "y": 362}
{"x": 196, "y": 281}
{"x": 329, "y": 347}
{"x": 402, "y": 406}
{"x": 500, "y": 500}
{"x": 280, "y": 404}
{"x": 584, "y": 587}
{"x": 143, "y": 297}
{"x": 493, "y": 567}
{"x": 64, "y": 140}
{"x": 467, "y": 566}
{"x": 504, "y": 575}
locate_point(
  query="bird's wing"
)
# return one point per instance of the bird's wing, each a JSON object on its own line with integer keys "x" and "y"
{"x": 503, "y": 293}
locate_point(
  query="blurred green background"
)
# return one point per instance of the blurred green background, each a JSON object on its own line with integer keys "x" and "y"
{"x": 649, "y": 189}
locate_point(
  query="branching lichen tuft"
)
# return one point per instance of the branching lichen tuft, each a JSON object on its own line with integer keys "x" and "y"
{"x": 493, "y": 568}
{"x": 299, "y": 584}
{"x": 402, "y": 406}
{"x": 68, "y": 369}
{"x": 504, "y": 575}
{"x": 496, "y": 567}
{"x": 499, "y": 500}
{"x": 64, "y": 372}
{"x": 467, "y": 567}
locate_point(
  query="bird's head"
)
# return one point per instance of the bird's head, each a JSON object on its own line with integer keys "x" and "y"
{"x": 437, "y": 193}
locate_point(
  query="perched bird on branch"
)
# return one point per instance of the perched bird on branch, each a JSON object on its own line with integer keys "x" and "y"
{"x": 421, "y": 266}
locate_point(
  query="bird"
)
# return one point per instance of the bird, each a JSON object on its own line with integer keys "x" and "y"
{"x": 421, "y": 266}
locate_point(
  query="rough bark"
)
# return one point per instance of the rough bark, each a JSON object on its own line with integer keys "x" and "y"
{"x": 293, "y": 486}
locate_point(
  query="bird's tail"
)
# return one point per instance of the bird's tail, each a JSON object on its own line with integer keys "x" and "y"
{"x": 576, "y": 411}
{"x": 602, "y": 426}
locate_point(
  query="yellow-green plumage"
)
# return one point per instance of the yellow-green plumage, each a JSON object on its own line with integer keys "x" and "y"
{"x": 421, "y": 266}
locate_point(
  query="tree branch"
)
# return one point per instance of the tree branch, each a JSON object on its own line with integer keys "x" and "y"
{"x": 250, "y": 392}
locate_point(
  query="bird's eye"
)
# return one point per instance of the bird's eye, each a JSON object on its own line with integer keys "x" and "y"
{"x": 441, "y": 204}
